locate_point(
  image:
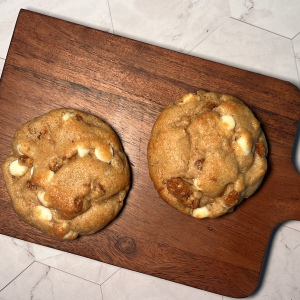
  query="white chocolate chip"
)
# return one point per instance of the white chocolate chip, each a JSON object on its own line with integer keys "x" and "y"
{"x": 244, "y": 145}
{"x": 188, "y": 97}
{"x": 67, "y": 116}
{"x": 18, "y": 149}
{"x": 82, "y": 151}
{"x": 41, "y": 197}
{"x": 197, "y": 194}
{"x": 31, "y": 172}
{"x": 196, "y": 185}
{"x": 50, "y": 175}
{"x": 69, "y": 234}
{"x": 104, "y": 154}
{"x": 16, "y": 169}
{"x": 201, "y": 212}
{"x": 42, "y": 212}
{"x": 228, "y": 121}
{"x": 239, "y": 185}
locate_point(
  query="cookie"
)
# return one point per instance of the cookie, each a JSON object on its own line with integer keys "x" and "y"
{"x": 206, "y": 154}
{"x": 67, "y": 175}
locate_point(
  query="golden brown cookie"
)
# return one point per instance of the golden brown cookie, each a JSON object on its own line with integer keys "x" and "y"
{"x": 207, "y": 152}
{"x": 68, "y": 174}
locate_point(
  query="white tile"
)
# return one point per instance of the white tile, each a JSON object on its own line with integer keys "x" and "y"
{"x": 244, "y": 46}
{"x": 130, "y": 285}
{"x": 282, "y": 276}
{"x": 79, "y": 266}
{"x": 91, "y": 13}
{"x": 293, "y": 224}
{"x": 174, "y": 24}
{"x": 42, "y": 282}
{"x": 296, "y": 46}
{"x": 2, "y": 61}
{"x": 15, "y": 256}
{"x": 281, "y": 17}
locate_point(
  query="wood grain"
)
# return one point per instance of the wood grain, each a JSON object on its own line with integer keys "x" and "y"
{"x": 53, "y": 63}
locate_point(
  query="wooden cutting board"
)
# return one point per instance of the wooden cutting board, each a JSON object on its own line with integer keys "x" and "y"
{"x": 53, "y": 63}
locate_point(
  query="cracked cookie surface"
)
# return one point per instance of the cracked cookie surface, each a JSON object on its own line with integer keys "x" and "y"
{"x": 206, "y": 154}
{"x": 68, "y": 174}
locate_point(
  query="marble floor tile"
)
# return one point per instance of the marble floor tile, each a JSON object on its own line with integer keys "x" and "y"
{"x": 292, "y": 224}
{"x": 2, "y": 61}
{"x": 42, "y": 282}
{"x": 129, "y": 285}
{"x": 91, "y": 13}
{"x": 15, "y": 256}
{"x": 175, "y": 24}
{"x": 85, "y": 268}
{"x": 296, "y": 46}
{"x": 244, "y": 46}
{"x": 281, "y": 17}
{"x": 281, "y": 277}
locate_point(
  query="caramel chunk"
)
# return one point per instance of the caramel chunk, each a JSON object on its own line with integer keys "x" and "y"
{"x": 260, "y": 149}
{"x": 179, "y": 188}
{"x": 211, "y": 105}
{"x": 199, "y": 164}
{"x": 30, "y": 184}
{"x": 79, "y": 117}
{"x": 78, "y": 204}
{"x": 191, "y": 201}
{"x": 96, "y": 190}
{"x": 24, "y": 159}
{"x": 55, "y": 164}
{"x": 232, "y": 198}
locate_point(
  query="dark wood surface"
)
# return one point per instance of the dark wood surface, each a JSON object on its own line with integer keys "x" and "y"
{"x": 53, "y": 63}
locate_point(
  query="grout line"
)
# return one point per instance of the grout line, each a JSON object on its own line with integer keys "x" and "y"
{"x": 291, "y": 228}
{"x": 207, "y": 36}
{"x": 298, "y": 71}
{"x": 241, "y": 22}
{"x": 51, "y": 267}
{"x": 49, "y": 257}
{"x": 17, "y": 276}
{"x": 110, "y": 277}
{"x": 112, "y": 25}
{"x": 101, "y": 292}
{"x": 77, "y": 275}
{"x": 295, "y": 35}
{"x": 260, "y": 28}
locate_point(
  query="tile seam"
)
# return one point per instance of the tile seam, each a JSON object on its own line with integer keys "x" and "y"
{"x": 109, "y": 277}
{"x": 287, "y": 226}
{"x": 57, "y": 269}
{"x": 188, "y": 52}
{"x": 111, "y": 20}
{"x": 295, "y": 35}
{"x": 17, "y": 276}
{"x": 295, "y": 58}
{"x": 255, "y": 26}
